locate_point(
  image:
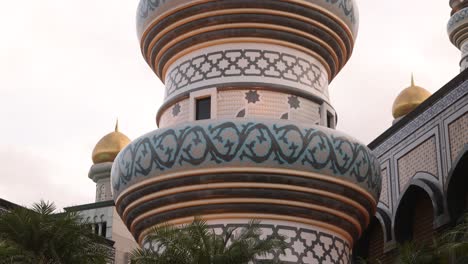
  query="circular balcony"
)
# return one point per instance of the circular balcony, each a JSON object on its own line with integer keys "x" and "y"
{"x": 250, "y": 168}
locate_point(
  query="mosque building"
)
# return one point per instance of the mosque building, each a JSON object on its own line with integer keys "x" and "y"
{"x": 247, "y": 130}
{"x": 424, "y": 159}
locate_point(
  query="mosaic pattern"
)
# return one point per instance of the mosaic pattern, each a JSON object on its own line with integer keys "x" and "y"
{"x": 423, "y": 158}
{"x": 209, "y": 144}
{"x": 456, "y": 19}
{"x": 176, "y": 114}
{"x": 305, "y": 246}
{"x": 384, "y": 195}
{"x": 421, "y": 119}
{"x": 243, "y": 63}
{"x": 147, "y": 6}
{"x": 458, "y": 132}
{"x": 347, "y": 7}
{"x": 233, "y": 103}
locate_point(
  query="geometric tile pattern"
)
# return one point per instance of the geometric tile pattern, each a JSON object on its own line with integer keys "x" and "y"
{"x": 384, "y": 194}
{"x": 304, "y": 245}
{"x": 243, "y": 63}
{"x": 176, "y": 114}
{"x": 422, "y": 158}
{"x": 458, "y": 133}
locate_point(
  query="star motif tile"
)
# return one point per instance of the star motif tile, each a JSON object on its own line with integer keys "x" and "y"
{"x": 294, "y": 102}
{"x": 176, "y": 109}
{"x": 252, "y": 96}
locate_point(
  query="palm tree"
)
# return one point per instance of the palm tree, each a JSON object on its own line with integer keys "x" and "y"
{"x": 453, "y": 243}
{"x": 196, "y": 243}
{"x": 416, "y": 253}
{"x": 38, "y": 235}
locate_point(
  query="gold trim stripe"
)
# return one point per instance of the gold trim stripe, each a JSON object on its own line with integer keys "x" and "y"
{"x": 159, "y": 35}
{"x": 227, "y": 169}
{"x": 236, "y": 185}
{"x": 154, "y": 63}
{"x": 245, "y": 40}
{"x": 186, "y": 220}
{"x": 176, "y": 206}
{"x": 315, "y": 7}
{"x": 327, "y": 13}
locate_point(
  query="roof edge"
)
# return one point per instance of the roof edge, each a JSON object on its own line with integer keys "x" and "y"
{"x": 452, "y": 84}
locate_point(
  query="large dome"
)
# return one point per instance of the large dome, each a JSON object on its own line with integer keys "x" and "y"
{"x": 308, "y": 172}
{"x": 409, "y": 99}
{"x": 109, "y": 146}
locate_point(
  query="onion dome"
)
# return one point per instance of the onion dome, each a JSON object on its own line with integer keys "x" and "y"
{"x": 409, "y": 99}
{"x": 109, "y": 146}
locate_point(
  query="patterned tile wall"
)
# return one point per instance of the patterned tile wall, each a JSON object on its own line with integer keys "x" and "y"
{"x": 248, "y": 63}
{"x": 384, "y": 194}
{"x": 423, "y": 158}
{"x": 250, "y": 103}
{"x": 306, "y": 245}
{"x": 458, "y": 133}
{"x": 176, "y": 114}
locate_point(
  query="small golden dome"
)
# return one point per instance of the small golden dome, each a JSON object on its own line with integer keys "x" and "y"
{"x": 109, "y": 146}
{"x": 409, "y": 99}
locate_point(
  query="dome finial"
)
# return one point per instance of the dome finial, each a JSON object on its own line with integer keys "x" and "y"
{"x": 109, "y": 146}
{"x": 409, "y": 99}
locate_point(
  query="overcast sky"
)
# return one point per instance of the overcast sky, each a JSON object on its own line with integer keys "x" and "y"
{"x": 68, "y": 69}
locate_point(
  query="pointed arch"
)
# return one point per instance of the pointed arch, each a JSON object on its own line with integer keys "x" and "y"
{"x": 456, "y": 191}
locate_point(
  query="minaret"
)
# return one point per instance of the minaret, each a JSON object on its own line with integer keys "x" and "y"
{"x": 458, "y": 29}
{"x": 247, "y": 126}
{"x": 103, "y": 156}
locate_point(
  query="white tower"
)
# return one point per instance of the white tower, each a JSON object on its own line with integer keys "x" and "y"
{"x": 246, "y": 128}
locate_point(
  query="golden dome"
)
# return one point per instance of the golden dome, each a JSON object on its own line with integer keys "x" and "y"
{"x": 109, "y": 146}
{"x": 409, "y": 99}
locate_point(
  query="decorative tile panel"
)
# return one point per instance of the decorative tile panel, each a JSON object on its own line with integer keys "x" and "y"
{"x": 305, "y": 244}
{"x": 176, "y": 114}
{"x": 385, "y": 192}
{"x": 423, "y": 158}
{"x": 246, "y": 143}
{"x": 458, "y": 133}
{"x": 249, "y": 64}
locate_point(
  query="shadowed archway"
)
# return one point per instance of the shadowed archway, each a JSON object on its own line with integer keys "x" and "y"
{"x": 457, "y": 187}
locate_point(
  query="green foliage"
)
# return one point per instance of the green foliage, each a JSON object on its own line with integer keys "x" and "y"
{"x": 453, "y": 244}
{"x": 39, "y": 236}
{"x": 196, "y": 243}
{"x": 450, "y": 246}
{"x": 412, "y": 253}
